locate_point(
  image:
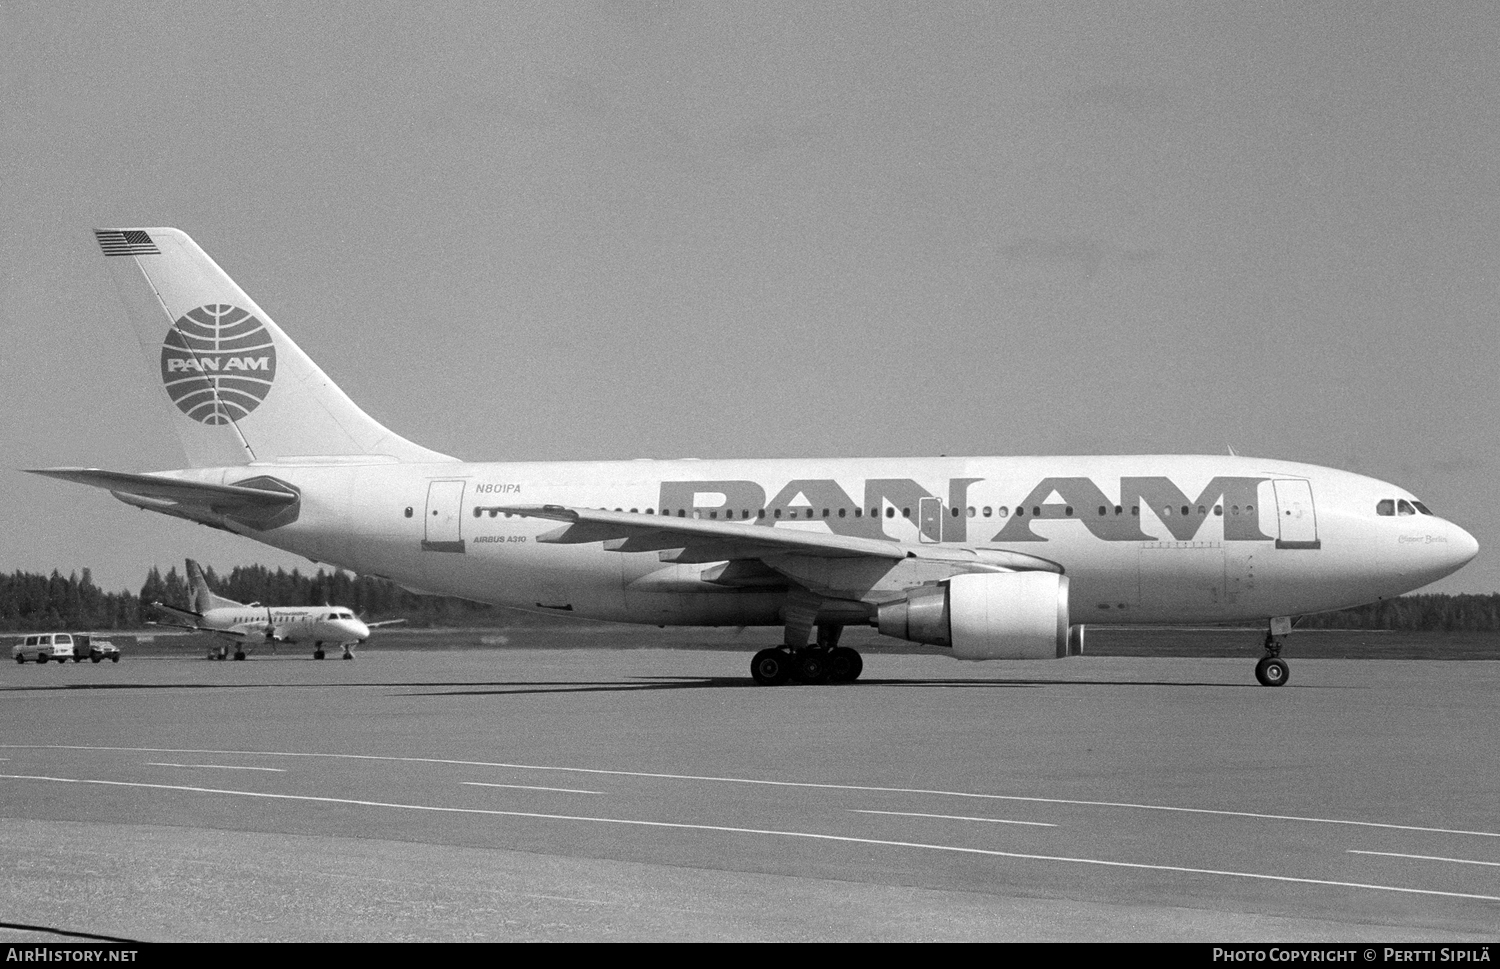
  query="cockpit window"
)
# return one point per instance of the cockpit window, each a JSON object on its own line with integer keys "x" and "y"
{"x": 1400, "y": 506}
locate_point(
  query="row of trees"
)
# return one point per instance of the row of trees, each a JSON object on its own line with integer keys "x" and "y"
{"x": 34, "y": 602}
{"x": 1466, "y": 613}
{"x": 30, "y": 601}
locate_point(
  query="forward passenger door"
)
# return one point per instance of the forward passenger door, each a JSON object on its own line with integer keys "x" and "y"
{"x": 1296, "y": 519}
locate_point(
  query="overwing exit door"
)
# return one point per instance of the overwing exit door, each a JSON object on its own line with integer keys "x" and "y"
{"x": 930, "y": 519}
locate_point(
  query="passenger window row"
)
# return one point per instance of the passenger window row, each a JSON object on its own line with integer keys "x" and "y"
{"x": 729, "y": 515}
{"x": 1385, "y": 508}
{"x": 1103, "y": 511}
{"x": 972, "y": 512}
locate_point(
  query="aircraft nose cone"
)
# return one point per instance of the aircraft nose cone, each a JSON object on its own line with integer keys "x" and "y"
{"x": 1439, "y": 550}
{"x": 1453, "y": 549}
{"x": 1464, "y": 547}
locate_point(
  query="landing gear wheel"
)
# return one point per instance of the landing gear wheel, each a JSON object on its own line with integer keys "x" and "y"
{"x": 348, "y": 655}
{"x": 1272, "y": 671}
{"x": 771, "y": 667}
{"x": 239, "y": 654}
{"x": 844, "y": 665}
{"x": 811, "y": 666}
{"x": 317, "y": 654}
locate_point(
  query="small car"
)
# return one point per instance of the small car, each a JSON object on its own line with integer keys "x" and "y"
{"x": 86, "y": 644}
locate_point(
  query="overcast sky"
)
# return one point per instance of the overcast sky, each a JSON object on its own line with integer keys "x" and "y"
{"x": 575, "y": 231}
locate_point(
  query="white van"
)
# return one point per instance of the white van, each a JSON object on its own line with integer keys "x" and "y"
{"x": 45, "y": 646}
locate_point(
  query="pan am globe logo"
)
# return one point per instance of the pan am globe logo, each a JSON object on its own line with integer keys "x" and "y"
{"x": 218, "y": 363}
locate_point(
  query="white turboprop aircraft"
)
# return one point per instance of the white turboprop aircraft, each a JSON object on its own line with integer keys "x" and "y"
{"x": 249, "y": 624}
{"x": 992, "y": 558}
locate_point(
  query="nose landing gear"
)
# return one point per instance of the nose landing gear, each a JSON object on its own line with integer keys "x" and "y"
{"x": 1272, "y": 670}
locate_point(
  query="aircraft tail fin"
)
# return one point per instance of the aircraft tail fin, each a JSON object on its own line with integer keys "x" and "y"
{"x": 200, "y": 597}
{"x": 237, "y": 387}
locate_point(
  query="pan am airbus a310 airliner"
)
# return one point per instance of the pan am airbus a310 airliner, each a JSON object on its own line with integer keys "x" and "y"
{"x": 990, "y": 558}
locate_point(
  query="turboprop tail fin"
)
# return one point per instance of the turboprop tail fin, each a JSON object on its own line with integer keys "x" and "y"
{"x": 237, "y": 387}
{"x": 200, "y": 597}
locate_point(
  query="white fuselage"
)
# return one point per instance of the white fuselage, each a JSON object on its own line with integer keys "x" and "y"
{"x": 1142, "y": 539}
{"x": 289, "y": 624}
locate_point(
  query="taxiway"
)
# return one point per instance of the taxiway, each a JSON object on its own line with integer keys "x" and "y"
{"x": 590, "y": 794}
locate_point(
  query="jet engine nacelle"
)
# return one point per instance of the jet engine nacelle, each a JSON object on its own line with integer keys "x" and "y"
{"x": 1004, "y": 615}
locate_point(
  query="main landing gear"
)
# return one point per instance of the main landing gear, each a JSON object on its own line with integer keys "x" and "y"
{"x": 1272, "y": 669}
{"x": 319, "y": 654}
{"x": 825, "y": 662}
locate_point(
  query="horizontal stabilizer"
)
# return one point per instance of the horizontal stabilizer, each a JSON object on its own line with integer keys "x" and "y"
{"x": 195, "y": 628}
{"x": 174, "y": 610}
{"x": 174, "y": 489}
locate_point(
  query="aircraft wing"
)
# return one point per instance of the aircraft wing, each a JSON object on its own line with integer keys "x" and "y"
{"x": 388, "y": 622}
{"x": 224, "y": 497}
{"x": 696, "y": 540}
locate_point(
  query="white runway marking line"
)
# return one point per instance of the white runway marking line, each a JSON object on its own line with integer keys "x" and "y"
{"x": 766, "y": 783}
{"x": 276, "y": 770}
{"x": 1397, "y": 854}
{"x": 724, "y": 829}
{"x": 954, "y": 817}
{"x": 528, "y": 787}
